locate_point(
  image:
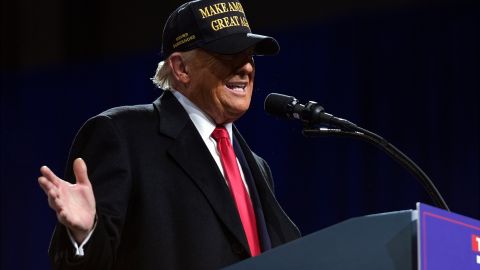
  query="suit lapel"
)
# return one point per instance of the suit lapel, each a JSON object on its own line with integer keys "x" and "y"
{"x": 193, "y": 156}
{"x": 257, "y": 205}
{"x": 280, "y": 228}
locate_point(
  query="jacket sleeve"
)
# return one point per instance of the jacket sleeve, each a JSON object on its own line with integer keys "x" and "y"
{"x": 103, "y": 147}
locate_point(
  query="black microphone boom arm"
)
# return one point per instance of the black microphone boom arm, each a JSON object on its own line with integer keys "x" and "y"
{"x": 391, "y": 150}
{"x": 313, "y": 115}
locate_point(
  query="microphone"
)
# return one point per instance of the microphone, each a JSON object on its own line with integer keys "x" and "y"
{"x": 310, "y": 114}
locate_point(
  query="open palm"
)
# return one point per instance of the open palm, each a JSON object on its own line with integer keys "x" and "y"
{"x": 74, "y": 204}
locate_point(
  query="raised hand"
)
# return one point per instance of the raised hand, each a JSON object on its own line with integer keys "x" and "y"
{"x": 74, "y": 204}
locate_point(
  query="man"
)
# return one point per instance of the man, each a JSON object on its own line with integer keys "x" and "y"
{"x": 165, "y": 189}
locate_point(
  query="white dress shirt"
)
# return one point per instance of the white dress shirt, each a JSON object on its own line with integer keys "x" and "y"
{"x": 205, "y": 126}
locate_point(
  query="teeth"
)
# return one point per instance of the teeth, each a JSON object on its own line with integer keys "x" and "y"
{"x": 235, "y": 86}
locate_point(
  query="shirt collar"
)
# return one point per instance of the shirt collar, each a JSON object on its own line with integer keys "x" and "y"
{"x": 204, "y": 123}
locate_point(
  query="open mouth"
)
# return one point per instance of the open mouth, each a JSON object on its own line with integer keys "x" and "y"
{"x": 236, "y": 87}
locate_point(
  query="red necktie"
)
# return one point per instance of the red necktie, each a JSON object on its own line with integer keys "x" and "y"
{"x": 237, "y": 188}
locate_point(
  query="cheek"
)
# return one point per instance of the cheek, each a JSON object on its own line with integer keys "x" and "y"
{"x": 238, "y": 103}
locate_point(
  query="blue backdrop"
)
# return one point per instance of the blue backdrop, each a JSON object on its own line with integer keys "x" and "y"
{"x": 411, "y": 75}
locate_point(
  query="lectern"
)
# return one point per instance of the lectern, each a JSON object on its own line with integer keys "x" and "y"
{"x": 426, "y": 238}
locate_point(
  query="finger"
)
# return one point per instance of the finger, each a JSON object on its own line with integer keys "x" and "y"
{"x": 47, "y": 173}
{"x": 62, "y": 217}
{"x": 58, "y": 202}
{"x": 80, "y": 170}
{"x": 52, "y": 202}
{"x": 53, "y": 193}
{"x": 45, "y": 184}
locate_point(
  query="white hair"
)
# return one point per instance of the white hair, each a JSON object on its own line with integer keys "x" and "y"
{"x": 163, "y": 77}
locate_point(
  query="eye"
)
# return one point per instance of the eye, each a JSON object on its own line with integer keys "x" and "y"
{"x": 226, "y": 57}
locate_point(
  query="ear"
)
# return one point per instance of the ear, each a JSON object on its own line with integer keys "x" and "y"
{"x": 179, "y": 68}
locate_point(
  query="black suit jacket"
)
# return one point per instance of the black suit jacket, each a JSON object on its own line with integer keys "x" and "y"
{"x": 162, "y": 202}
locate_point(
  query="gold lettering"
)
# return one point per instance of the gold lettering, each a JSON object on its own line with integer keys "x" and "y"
{"x": 218, "y": 24}
{"x": 217, "y": 8}
{"x": 231, "y": 7}
{"x": 183, "y": 41}
{"x": 244, "y": 22}
{"x": 235, "y": 6}
{"x": 234, "y": 20}
{"x": 220, "y": 8}
{"x": 226, "y": 22}
{"x": 181, "y": 36}
{"x": 240, "y": 8}
{"x": 224, "y": 7}
{"x": 205, "y": 13}
{"x": 212, "y": 11}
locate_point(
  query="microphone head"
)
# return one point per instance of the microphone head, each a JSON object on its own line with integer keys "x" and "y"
{"x": 279, "y": 105}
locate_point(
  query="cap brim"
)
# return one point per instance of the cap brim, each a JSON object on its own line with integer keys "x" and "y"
{"x": 235, "y": 43}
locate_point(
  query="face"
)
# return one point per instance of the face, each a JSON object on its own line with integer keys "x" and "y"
{"x": 221, "y": 85}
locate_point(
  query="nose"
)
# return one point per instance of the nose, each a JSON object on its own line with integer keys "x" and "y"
{"x": 247, "y": 67}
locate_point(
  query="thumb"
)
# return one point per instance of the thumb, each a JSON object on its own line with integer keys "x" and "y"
{"x": 80, "y": 170}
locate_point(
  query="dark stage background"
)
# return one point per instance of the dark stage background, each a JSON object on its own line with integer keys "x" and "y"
{"x": 406, "y": 70}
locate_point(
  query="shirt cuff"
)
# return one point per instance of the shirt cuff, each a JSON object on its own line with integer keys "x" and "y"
{"x": 79, "y": 248}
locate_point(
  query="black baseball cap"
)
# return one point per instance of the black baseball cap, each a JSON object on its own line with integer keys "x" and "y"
{"x": 218, "y": 26}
